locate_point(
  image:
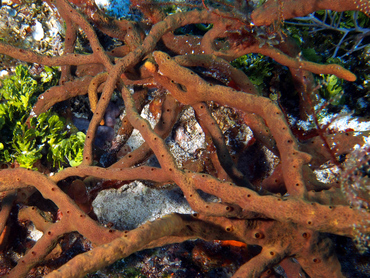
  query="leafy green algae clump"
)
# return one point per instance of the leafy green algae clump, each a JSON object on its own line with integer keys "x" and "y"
{"x": 47, "y": 137}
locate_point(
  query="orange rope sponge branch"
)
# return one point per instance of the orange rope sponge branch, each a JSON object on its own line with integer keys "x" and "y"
{"x": 273, "y": 10}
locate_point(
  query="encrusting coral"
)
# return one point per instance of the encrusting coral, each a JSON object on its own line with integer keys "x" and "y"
{"x": 153, "y": 55}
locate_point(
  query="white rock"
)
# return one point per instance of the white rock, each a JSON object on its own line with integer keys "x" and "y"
{"x": 134, "y": 204}
{"x": 102, "y": 3}
{"x": 37, "y": 31}
{"x": 4, "y": 73}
